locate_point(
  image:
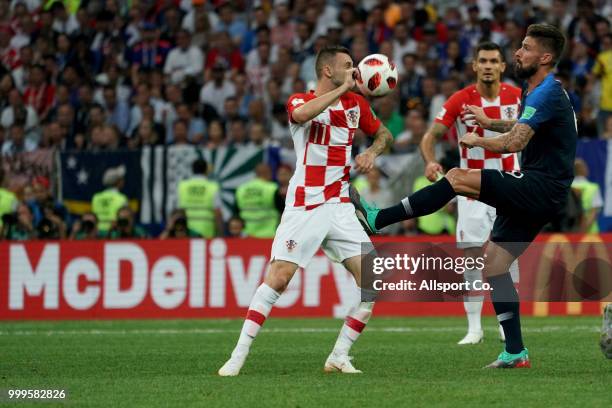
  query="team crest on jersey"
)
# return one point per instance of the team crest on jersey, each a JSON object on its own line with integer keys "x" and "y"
{"x": 509, "y": 111}
{"x": 291, "y": 244}
{"x": 352, "y": 117}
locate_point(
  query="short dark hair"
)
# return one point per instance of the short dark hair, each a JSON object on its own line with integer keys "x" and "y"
{"x": 199, "y": 166}
{"x": 489, "y": 46}
{"x": 549, "y": 37}
{"x": 327, "y": 53}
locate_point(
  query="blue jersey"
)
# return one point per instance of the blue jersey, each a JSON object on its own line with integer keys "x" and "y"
{"x": 552, "y": 149}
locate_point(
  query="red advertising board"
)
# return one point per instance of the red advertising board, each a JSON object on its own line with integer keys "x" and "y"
{"x": 188, "y": 279}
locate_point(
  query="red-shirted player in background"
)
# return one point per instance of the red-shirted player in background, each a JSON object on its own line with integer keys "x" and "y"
{"x": 318, "y": 211}
{"x": 497, "y": 100}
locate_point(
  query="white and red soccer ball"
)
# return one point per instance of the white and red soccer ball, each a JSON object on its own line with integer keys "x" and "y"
{"x": 376, "y": 75}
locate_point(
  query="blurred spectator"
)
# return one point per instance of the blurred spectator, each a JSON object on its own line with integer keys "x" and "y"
{"x": 42, "y": 201}
{"x": 117, "y": 111}
{"x": 229, "y": 23}
{"x": 283, "y": 175}
{"x": 375, "y": 191}
{"x": 440, "y": 222}
{"x": 17, "y": 142}
{"x": 257, "y": 136}
{"x": 124, "y": 225}
{"x": 223, "y": 52}
{"x": 17, "y": 112}
{"x": 590, "y": 197}
{"x": 51, "y": 225}
{"x": 409, "y": 140}
{"x": 150, "y": 53}
{"x": 387, "y": 112}
{"x": 201, "y": 200}
{"x": 258, "y": 68}
{"x": 410, "y": 83}
{"x": 603, "y": 70}
{"x": 105, "y": 204}
{"x": 8, "y": 200}
{"x": 19, "y": 226}
{"x": 186, "y": 60}
{"x": 218, "y": 89}
{"x": 235, "y": 227}
{"x": 176, "y": 227}
{"x": 607, "y": 134}
{"x": 259, "y": 204}
{"x": 85, "y": 228}
{"x": 39, "y": 94}
{"x": 104, "y": 137}
{"x": 195, "y": 125}
{"x": 216, "y": 135}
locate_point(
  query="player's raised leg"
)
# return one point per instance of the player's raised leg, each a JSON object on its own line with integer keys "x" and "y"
{"x": 354, "y": 324}
{"x": 423, "y": 202}
{"x": 266, "y": 295}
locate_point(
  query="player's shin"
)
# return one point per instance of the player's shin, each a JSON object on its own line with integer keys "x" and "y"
{"x": 506, "y": 305}
{"x": 355, "y": 322}
{"x": 259, "y": 309}
{"x": 423, "y": 202}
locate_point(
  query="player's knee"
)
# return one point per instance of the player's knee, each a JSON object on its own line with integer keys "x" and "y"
{"x": 280, "y": 275}
{"x": 455, "y": 177}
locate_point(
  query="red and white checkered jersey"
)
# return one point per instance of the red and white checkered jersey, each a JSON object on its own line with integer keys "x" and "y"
{"x": 323, "y": 148}
{"x": 505, "y": 106}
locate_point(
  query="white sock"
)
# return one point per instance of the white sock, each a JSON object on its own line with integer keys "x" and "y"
{"x": 514, "y": 271}
{"x": 259, "y": 309}
{"x": 354, "y": 324}
{"x": 473, "y": 304}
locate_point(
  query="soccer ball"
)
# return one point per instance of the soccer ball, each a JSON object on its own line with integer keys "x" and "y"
{"x": 605, "y": 341}
{"x": 376, "y": 75}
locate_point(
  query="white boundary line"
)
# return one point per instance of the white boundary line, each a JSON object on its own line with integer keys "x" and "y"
{"x": 108, "y": 332}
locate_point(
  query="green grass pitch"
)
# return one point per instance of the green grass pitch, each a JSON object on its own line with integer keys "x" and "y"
{"x": 406, "y": 362}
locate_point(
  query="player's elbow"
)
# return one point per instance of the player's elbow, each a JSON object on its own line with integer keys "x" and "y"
{"x": 299, "y": 116}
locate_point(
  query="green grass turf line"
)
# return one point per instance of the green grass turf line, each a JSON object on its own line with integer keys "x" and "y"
{"x": 174, "y": 362}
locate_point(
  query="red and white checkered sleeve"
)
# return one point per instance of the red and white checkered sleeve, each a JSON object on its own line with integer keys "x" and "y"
{"x": 294, "y": 102}
{"x": 368, "y": 122}
{"x": 451, "y": 109}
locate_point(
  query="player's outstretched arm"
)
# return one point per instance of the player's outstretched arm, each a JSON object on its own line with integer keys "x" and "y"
{"x": 427, "y": 147}
{"x": 313, "y": 107}
{"x": 511, "y": 142}
{"x": 477, "y": 114}
{"x": 383, "y": 139}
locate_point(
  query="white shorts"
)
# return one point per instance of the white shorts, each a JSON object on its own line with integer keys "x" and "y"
{"x": 474, "y": 223}
{"x": 334, "y": 227}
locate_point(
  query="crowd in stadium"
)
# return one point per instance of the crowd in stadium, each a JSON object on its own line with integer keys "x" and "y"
{"x": 99, "y": 75}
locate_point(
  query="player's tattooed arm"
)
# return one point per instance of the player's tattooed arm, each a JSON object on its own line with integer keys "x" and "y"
{"x": 477, "y": 114}
{"x": 383, "y": 139}
{"x": 500, "y": 125}
{"x": 511, "y": 142}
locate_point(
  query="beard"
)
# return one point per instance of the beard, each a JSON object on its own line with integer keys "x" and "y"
{"x": 337, "y": 80}
{"x": 524, "y": 72}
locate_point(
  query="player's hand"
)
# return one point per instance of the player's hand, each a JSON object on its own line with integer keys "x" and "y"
{"x": 469, "y": 140}
{"x": 364, "y": 162}
{"x": 476, "y": 114}
{"x": 349, "y": 79}
{"x": 432, "y": 169}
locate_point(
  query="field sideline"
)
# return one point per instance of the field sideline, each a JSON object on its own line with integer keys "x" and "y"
{"x": 406, "y": 362}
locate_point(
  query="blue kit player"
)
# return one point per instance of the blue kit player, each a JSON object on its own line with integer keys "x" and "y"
{"x": 546, "y": 135}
